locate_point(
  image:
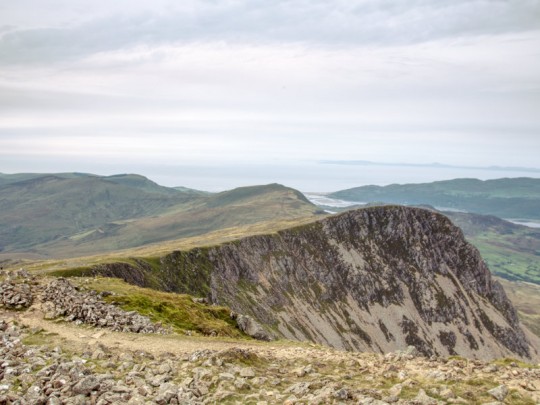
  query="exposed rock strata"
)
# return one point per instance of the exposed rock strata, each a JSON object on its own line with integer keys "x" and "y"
{"x": 375, "y": 279}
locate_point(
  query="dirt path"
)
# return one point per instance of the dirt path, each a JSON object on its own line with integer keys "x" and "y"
{"x": 82, "y": 337}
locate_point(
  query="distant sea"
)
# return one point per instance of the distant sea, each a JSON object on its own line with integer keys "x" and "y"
{"x": 320, "y": 177}
{"x": 327, "y": 202}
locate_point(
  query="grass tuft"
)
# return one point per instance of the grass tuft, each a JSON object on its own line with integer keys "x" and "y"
{"x": 176, "y": 310}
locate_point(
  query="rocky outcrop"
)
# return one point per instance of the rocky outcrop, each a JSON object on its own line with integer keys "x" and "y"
{"x": 375, "y": 279}
{"x": 61, "y": 299}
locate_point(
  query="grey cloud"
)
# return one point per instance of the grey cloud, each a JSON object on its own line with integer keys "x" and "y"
{"x": 324, "y": 22}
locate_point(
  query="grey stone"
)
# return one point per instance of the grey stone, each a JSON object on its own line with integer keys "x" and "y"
{"x": 341, "y": 394}
{"x": 247, "y": 372}
{"x": 252, "y": 328}
{"x": 86, "y": 385}
{"x": 499, "y": 393}
{"x": 226, "y": 377}
{"x": 301, "y": 388}
{"x": 424, "y": 399}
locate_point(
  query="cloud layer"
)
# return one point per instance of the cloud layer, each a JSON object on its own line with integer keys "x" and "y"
{"x": 70, "y": 31}
{"x": 240, "y": 81}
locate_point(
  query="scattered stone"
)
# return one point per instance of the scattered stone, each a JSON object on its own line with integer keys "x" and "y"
{"x": 102, "y": 375}
{"x": 247, "y": 372}
{"x": 491, "y": 368}
{"x": 341, "y": 394}
{"x": 499, "y": 393}
{"x": 86, "y": 385}
{"x": 60, "y": 298}
{"x": 15, "y": 295}
{"x": 300, "y": 388}
{"x": 226, "y": 377}
{"x": 241, "y": 384}
{"x": 98, "y": 354}
{"x": 391, "y": 399}
{"x": 424, "y": 399}
{"x": 447, "y": 393}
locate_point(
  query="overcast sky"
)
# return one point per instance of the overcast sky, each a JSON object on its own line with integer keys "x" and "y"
{"x": 164, "y": 87}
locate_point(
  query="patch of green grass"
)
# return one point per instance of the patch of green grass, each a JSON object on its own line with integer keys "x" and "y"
{"x": 458, "y": 358}
{"x": 241, "y": 356}
{"x": 175, "y": 310}
{"x": 480, "y": 383}
{"x": 473, "y": 390}
{"x": 508, "y": 361}
{"x": 526, "y": 299}
{"x": 84, "y": 271}
{"x": 505, "y": 261}
{"x": 39, "y": 338}
{"x": 515, "y": 398}
{"x": 408, "y": 392}
{"x": 388, "y": 383}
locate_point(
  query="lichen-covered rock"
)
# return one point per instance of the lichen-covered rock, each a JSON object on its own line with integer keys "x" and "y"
{"x": 61, "y": 298}
{"x": 499, "y": 393}
{"x": 252, "y": 328}
{"x": 15, "y": 295}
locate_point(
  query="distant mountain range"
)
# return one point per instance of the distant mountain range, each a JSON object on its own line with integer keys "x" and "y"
{"x": 517, "y": 198}
{"x": 431, "y": 165}
{"x": 69, "y": 214}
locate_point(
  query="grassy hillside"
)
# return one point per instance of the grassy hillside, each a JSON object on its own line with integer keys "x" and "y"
{"x": 526, "y": 299}
{"x": 505, "y": 198}
{"x": 77, "y": 214}
{"x": 511, "y": 251}
{"x": 46, "y": 208}
{"x": 178, "y": 311}
{"x": 197, "y": 218}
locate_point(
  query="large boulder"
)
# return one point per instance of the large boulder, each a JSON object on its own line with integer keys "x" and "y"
{"x": 251, "y": 327}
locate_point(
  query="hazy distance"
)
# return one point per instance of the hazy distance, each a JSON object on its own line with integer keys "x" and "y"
{"x": 214, "y": 95}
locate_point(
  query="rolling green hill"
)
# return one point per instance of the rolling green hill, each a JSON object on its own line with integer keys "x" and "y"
{"x": 73, "y": 214}
{"x": 517, "y": 198}
{"x": 242, "y": 206}
{"x": 44, "y": 208}
{"x": 511, "y": 251}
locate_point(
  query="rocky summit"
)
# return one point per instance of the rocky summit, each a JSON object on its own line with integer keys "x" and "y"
{"x": 38, "y": 368}
{"x": 377, "y": 279}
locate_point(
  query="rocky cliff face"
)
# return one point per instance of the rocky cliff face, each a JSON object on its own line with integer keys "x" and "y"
{"x": 375, "y": 279}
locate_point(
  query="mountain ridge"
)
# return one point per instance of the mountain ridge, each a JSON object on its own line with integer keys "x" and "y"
{"x": 374, "y": 279}
{"x": 517, "y": 198}
{"x": 70, "y": 214}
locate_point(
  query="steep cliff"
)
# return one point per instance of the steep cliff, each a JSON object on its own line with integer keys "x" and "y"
{"x": 375, "y": 279}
